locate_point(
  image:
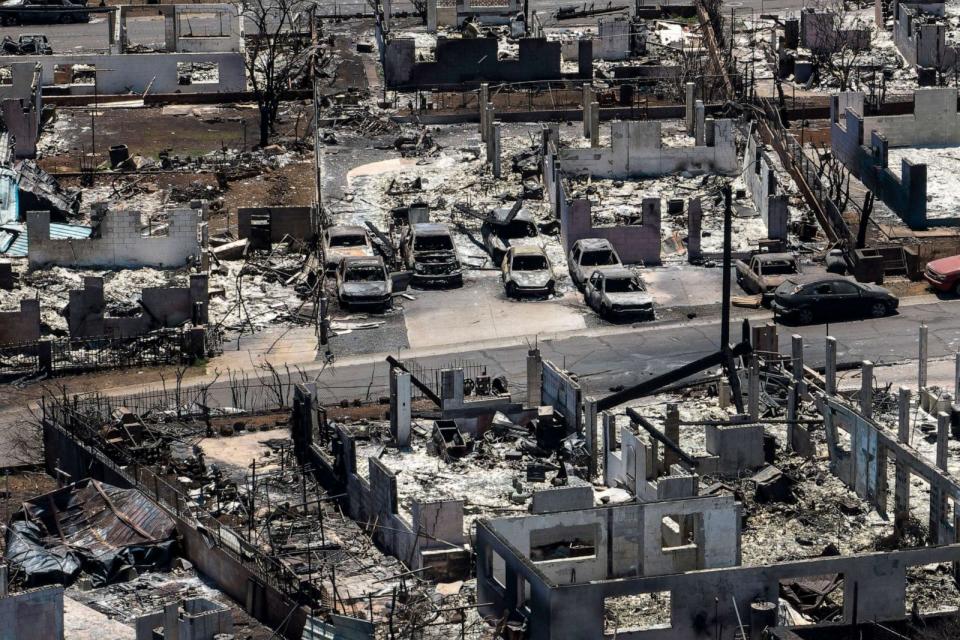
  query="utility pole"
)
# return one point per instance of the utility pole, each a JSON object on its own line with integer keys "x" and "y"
{"x": 728, "y": 363}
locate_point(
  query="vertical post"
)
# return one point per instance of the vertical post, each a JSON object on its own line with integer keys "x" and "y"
{"x": 400, "y": 417}
{"x": 922, "y": 366}
{"x": 866, "y": 389}
{"x": 728, "y": 363}
{"x": 943, "y": 438}
{"x": 830, "y": 371}
{"x": 753, "y": 388}
{"x": 534, "y": 377}
{"x": 938, "y": 497}
{"x": 956, "y": 375}
{"x": 796, "y": 354}
{"x": 590, "y": 433}
{"x": 484, "y": 99}
{"x": 901, "y": 498}
{"x": 671, "y": 429}
{"x": 792, "y": 416}
{"x": 594, "y": 124}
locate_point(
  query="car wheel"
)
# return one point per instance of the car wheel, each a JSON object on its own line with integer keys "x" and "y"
{"x": 511, "y": 290}
{"x": 66, "y": 18}
{"x": 956, "y": 289}
{"x": 805, "y": 316}
{"x": 879, "y": 309}
{"x": 604, "y": 312}
{"x": 344, "y": 305}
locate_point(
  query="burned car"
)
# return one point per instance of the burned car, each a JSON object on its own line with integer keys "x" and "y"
{"x": 505, "y": 228}
{"x": 365, "y": 282}
{"x": 617, "y": 292}
{"x": 589, "y": 254}
{"x": 526, "y": 270}
{"x": 765, "y": 272}
{"x": 428, "y": 251}
{"x": 345, "y": 241}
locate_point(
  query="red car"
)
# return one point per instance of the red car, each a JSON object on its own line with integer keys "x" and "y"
{"x": 944, "y": 274}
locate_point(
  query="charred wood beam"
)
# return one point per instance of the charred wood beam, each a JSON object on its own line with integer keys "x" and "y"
{"x": 659, "y": 435}
{"x": 427, "y": 391}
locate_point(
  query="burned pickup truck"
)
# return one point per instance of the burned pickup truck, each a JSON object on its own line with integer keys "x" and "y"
{"x": 765, "y": 272}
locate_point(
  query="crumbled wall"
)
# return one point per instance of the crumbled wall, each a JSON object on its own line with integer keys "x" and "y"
{"x": 162, "y": 307}
{"x": 134, "y": 72}
{"x": 460, "y": 60}
{"x": 861, "y": 143}
{"x": 919, "y": 41}
{"x": 21, "y": 103}
{"x": 120, "y": 243}
{"x": 761, "y": 181}
{"x": 637, "y": 150}
{"x": 21, "y": 327}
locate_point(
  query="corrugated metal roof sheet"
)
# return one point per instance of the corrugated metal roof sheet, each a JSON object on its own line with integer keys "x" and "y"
{"x": 58, "y": 231}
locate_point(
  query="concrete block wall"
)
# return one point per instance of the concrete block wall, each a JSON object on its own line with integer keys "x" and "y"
{"x": 761, "y": 180}
{"x": 635, "y": 243}
{"x": 823, "y": 30}
{"x": 21, "y": 103}
{"x": 36, "y": 614}
{"x": 738, "y": 447}
{"x": 637, "y": 150}
{"x": 934, "y": 122}
{"x": 21, "y": 327}
{"x": 614, "y": 40}
{"x": 296, "y": 222}
{"x": 134, "y": 72}
{"x": 120, "y": 243}
{"x": 460, "y": 60}
{"x": 920, "y": 37}
{"x": 162, "y": 307}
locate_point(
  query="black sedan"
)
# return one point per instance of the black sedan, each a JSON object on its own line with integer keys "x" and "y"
{"x": 829, "y": 298}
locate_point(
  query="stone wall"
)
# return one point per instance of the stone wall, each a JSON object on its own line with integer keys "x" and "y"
{"x": 120, "y": 242}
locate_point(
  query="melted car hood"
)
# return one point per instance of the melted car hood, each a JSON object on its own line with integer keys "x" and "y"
{"x": 531, "y": 278}
{"x": 365, "y": 288}
{"x": 630, "y": 299}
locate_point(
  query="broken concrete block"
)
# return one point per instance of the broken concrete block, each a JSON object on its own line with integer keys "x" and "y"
{"x": 232, "y": 250}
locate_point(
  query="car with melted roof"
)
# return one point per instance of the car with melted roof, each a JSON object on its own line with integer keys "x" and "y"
{"x": 526, "y": 270}
{"x": 764, "y": 272}
{"x": 365, "y": 282}
{"x": 617, "y": 292}
{"x": 428, "y": 250}
{"x": 589, "y": 254}
{"x": 344, "y": 241}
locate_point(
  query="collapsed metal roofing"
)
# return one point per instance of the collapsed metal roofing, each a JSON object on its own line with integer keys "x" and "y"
{"x": 88, "y": 527}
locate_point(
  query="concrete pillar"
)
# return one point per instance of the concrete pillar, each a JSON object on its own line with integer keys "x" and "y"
{"x": 922, "y": 365}
{"x": 609, "y": 427}
{"x": 594, "y": 124}
{"x": 723, "y": 393}
{"x": 432, "y": 15}
{"x": 796, "y": 355}
{"x": 590, "y": 434}
{"x": 587, "y": 103}
{"x": 690, "y": 96}
{"x": 671, "y": 429}
{"x": 830, "y": 370}
{"x": 171, "y": 618}
{"x": 451, "y": 388}
{"x": 496, "y": 150}
{"x": 534, "y": 377}
{"x": 387, "y": 13}
{"x": 866, "y": 389}
{"x": 699, "y": 131}
{"x": 4, "y": 582}
{"x": 792, "y": 415}
{"x": 709, "y": 129}
{"x": 943, "y": 438}
{"x": 763, "y": 615}
{"x": 901, "y": 497}
{"x": 694, "y": 230}
{"x": 484, "y": 92}
{"x": 400, "y": 418}
{"x": 956, "y": 375}
{"x": 753, "y": 388}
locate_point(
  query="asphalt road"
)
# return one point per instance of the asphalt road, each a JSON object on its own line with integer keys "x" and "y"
{"x": 608, "y": 357}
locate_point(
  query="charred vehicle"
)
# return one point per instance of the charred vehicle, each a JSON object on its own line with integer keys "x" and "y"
{"x": 428, "y": 251}
{"x": 526, "y": 270}
{"x": 345, "y": 241}
{"x": 588, "y": 255}
{"x": 617, "y": 292}
{"x": 505, "y": 228}
{"x": 765, "y": 272}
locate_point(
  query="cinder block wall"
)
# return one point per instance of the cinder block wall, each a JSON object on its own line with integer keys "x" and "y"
{"x": 119, "y": 244}
{"x": 21, "y": 327}
{"x": 761, "y": 181}
{"x": 32, "y": 615}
